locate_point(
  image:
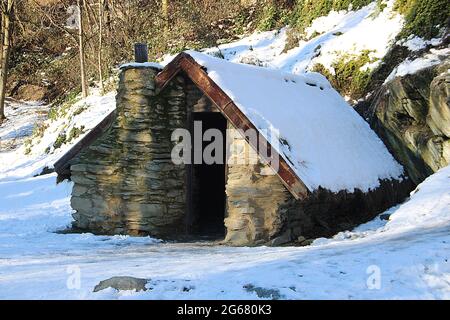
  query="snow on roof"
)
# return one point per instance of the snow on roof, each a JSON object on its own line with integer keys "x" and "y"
{"x": 141, "y": 65}
{"x": 321, "y": 137}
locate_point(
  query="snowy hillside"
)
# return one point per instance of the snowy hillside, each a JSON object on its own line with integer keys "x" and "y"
{"x": 336, "y": 35}
{"x": 51, "y": 138}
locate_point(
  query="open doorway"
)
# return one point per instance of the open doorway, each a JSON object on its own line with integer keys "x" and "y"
{"x": 208, "y": 184}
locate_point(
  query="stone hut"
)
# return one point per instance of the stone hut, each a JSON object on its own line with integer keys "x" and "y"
{"x": 331, "y": 170}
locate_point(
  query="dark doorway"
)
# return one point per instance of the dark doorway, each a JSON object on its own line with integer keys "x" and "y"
{"x": 208, "y": 184}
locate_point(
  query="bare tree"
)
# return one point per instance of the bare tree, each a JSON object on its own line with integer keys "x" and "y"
{"x": 165, "y": 14}
{"x": 84, "y": 90}
{"x": 101, "y": 4}
{"x": 7, "y": 11}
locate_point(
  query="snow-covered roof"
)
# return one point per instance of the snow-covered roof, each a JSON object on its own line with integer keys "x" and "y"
{"x": 138, "y": 65}
{"x": 322, "y": 138}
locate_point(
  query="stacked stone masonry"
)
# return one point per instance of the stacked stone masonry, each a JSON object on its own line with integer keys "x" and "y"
{"x": 126, "y": 183}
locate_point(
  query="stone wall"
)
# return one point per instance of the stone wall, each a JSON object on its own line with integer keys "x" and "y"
{"x": 125, "y": 182}
{"x": 325, "y": 213}
{"x": 254, "y": 198}
{"x": 262, "y": 211}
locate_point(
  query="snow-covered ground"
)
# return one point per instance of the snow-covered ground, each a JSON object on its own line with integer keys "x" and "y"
{"x": 404, "y": 259}
{"x": 22, "y": 117}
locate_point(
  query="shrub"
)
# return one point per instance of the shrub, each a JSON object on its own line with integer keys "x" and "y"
{"x": 74, "y": 133}
{"x": 423, "y": 16}
{"x": 273, "y": 15}
{"x": 348, "y": 78}
{"x": 60, "y": 140}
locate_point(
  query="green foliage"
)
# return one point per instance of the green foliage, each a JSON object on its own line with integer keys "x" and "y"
{"x": 74, "y": 133}
{"x": 38, "y": 130}
{"x": 381, "y": 5}
{"x": 80, "y": 110}
{"x": 27, "y": 145}
{"x": 273, "y": 16}
{"x": 268, "y": 18}
{"x": 423, "y": 16}
{"x": 403, "y": 6}
{"x": 349, "y": 78}
{"x": 63, "y": 104}
{"x": 66, "y": 138}
{"x": 60, "y": 140}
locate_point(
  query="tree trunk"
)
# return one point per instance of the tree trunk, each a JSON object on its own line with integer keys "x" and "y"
{"x": 100, "y": 43}
{"x": 7, "y": 24}
{"x": 84, "y": 90}
{"x": 165, "y": 14}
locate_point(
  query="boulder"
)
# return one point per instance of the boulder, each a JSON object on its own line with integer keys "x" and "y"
{"x": 122, "y": 283}
{"x": 412, "y": 117}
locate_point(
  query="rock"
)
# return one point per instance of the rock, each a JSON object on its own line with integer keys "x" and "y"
{"x": 237, "y": 238}
{"x": 307, "y": 242}
{"x": 261, "y": 292}
{"x": 252, "y": 60}
{"x": 385, "y": 216}
{"x": 412, "y": 117}
{"x": 439, "y": 114}
{"x": 301, "y": 239}
{"x": 283, "y": 239}
{"x": 236, "y": 222}
{"x": 122, "y": 283}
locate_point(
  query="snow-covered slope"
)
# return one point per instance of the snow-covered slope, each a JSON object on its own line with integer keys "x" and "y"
{"x": 22, "y": 117}
{"x": 339, "y": 34}
{"x": 407, "y": 258}
{"x": 83, "y": 115}
{"x": 320, "y": 136}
